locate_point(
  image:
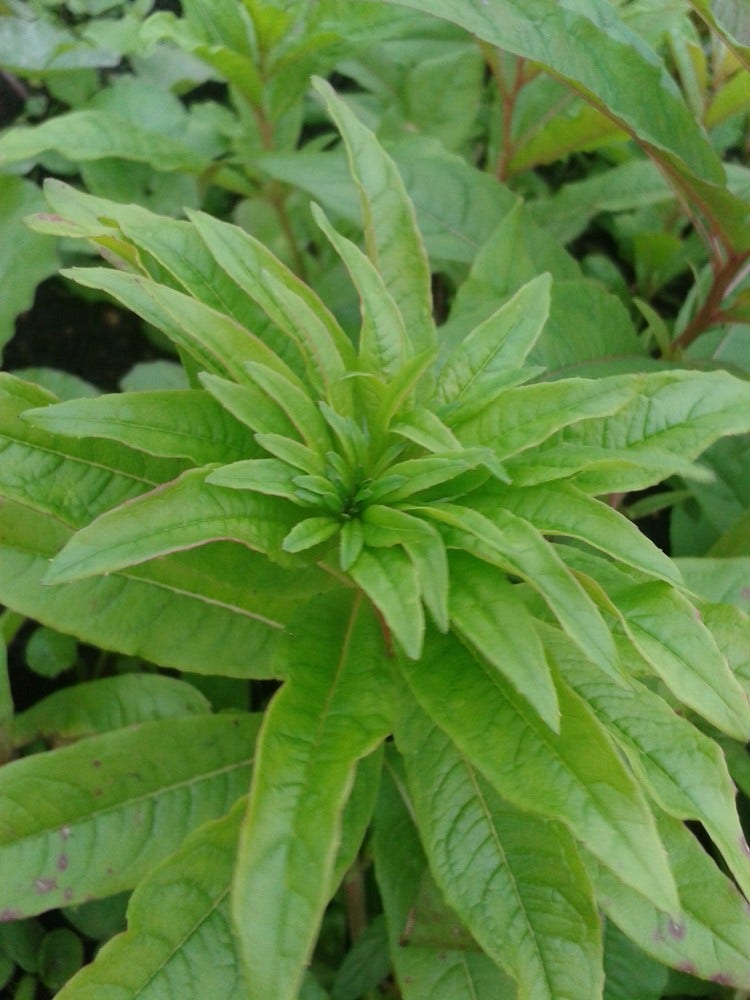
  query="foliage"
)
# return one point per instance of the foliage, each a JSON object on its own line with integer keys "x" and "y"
{"x": 403, "y": 521}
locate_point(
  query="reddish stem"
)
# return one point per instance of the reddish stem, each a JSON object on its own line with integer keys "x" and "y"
{"x": 726, "y": 278}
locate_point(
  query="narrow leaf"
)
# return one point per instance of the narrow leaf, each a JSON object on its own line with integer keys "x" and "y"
{"x": 332, "y": 712}
{"x": 389, "y": 579}
{"x": 310, "y": 532}
{"x": 296, "y": 404}
{"x": 260, "y": 475}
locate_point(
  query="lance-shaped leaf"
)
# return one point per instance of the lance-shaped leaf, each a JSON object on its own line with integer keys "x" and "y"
{"x": 179, "y": 941}
{"x": 174, "y": 423}
{"x": 578, "y": 47}
{"x": 681, "y": 768}
{"x": 561, "y": 509}
{"x": 333, "y": 711}
{"x": 433, "y": 955}
{"x": 516, "y": 547}
{"x": 515, "y": 880}
{"x": 293, "y": 307}
{"x": 711, "y": 938}
{"x": 392, "y": 239}
{"x": 731, "y": 21}
{"x": 425, "y": 428}
{"x": 106, "y": 704}
{"x": 383, "y": 340}
{"x": 103, "y": 811}
{"x": 249, "y": 404}
{"x": 177, "y": 516}
{"x": 357, "y": 815}
{"x": 502, "y": 342}
{"x": 292, "y": 398}
{"x": 270, "y": 476}
{"x": 310, "y": 532}
{"x": 575, "y": 776}
{"x": 392, "y": 583}
{"x": 215, "y": 342}
{"x": 71, "y": 480}
{"x": 488, "y": 614}
{"x": 388, "y": 526}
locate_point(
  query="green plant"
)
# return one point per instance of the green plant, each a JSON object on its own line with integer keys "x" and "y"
{"x": 406, "y": 533}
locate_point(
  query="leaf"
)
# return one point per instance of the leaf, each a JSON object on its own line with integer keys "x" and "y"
{"x": 106, "y": 704}
{"x": 488, "y": 614}
{"x": 392, "y": 238}
{"x": 383, "y": 340}
{"x": 292, "y": 397}
{"x": 172, "y": 423}
{"x": 731, "y": 22}
{"x": 423, "y": 427}
{"x": 269, "y": 476}
{"x": 110, "y": 807}
{"x": 389, "y": 579}
{"x": 177, "y": 516}
{"x": 332, "y": 712}
{"x": 416, "y": 475}
{"x": 26, "y": 259}
{"x": 499, "y": 343}
{"x": 575, "y": 776}
{"x": 711, "y": 938}
{"x": 249, "y": 404}
{"x": 517, "y": 881}
{"x": 516, "y": 547}
{"x": 213, "y": 341}
{"x": 310, "y": 532}
{"x": 578, "y": 48}
{"x": 82, "y": 136}
{"x": 723, "y": 580}
{"x": 425, "y": 967}
{"x": 215, "y": 609}
{"x": 178, "y": 920}
{"x": 680, "y": 767}
{"x": 630, "y": 974}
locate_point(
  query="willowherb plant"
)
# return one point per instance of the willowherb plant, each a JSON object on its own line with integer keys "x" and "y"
{"x": 481, "y": 661}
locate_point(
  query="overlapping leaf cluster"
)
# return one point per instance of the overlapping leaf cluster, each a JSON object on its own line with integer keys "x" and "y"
{"x": 413, "y": 539}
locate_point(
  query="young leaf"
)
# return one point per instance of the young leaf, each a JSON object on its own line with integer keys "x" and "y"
{"x": 178, "y": 920}
{"x": 500, "y": 343}
{"x": 389, "y": 579}
{"x": 515, "y": 880}
{"x": 488, "y": 614}
{"x": 269, "y": 476}
{"x": 426, "y": 429}
{"x": 575, "y": 776}
{"x": 392, "y": 238}
{"x": 113, "y": 806}
{"x": 332, "y": 711}
{"x": 292, "y": 398}
{"x": 310, "y": 532}
{"x": 172, "y": 424}
{"x": 177, "y": 516}
{"x": 249, "y": 404}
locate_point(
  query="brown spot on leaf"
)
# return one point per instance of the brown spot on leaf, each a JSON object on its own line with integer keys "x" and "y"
{"x": 96, "y": 763}
{"x": 65, "y": 832}
{"x": 44, "y": 885}
{"x": 722, "y": 979}
{"x": 62, "y": 862}
{"x": 687, "y": 967}
{"x": 67, "y": 894}
{"x": 677, "y": 931}
{"x": 7, "y": 915}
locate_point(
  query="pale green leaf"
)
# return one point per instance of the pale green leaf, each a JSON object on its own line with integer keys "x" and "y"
{"x": 179, "y": 941}
{"x": 357, "y": 816}
{"x": 575, "y": 776}
{"x": 388, "y": 526}
{"x": 291, "y": 397}
{"x": 516, "y": 880}
{"x": 711, "y": 936}
{"x": 105, "y": 704}
{"x": 249, "y": 404}
{"x": 383, "y": 340}
{"x": 293, "y": 453}
{"x": 106, "y": 809}
{"x": 332, "y": 711}
{"x": 425, "y": 428}
{"x": 310, "y": 532}
{"x": 171, "y": 423}
{"x": 389, "y": 579}
{"x": 724, "y": 580}
{"x": 392, "y": 238}
{"x": 419, "y": 474}
{"x": 680, "y": 767}
{"x": 489, "y": 615}
{"x": 499, "y": 343}
{"x": 730, "y": 19}
{"x": 260, "y": 475}
{"x": 177, "y": 516}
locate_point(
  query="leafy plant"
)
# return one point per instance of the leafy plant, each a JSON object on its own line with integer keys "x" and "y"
{"x": 406, "y": 533}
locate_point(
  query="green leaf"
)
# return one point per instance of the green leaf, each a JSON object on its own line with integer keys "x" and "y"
{"x": 114, "y": 805}
{"x": 178, "y": 920}
{"x": 392, "y": 238}
{"x": 177, "y": 516}
{"x": 425, "y": 428}
{"x": 291, "y": 397}
{"x": 293, "y": 453}
{"x": 416, "y": 475}
{"x": 102, "y": 705}
{"x": 310, "y": 532}
{"x": 332, "y": 711}
{"x": 211, "y": 339}
{"x": 630, "y": 974}
{"x": 488, "y": 614}
{"x": 575, "y": 776}
{"x": 26, "y": 258}
{"x": 388, "y": 526}
{"x": 82, "y": 136}
{"x": 171, "y": 423}
{"x": 680, "y": 767}
{"x": 249, "y": 404}
{"x": 516, "y": 880}
{"x": 721, "y": 580}
{"x": 389, "y": 579}
{"x": 516, "y": 547}
{"x": 499, "y": 343}
{"x": 50, "y": 653}
{"x": 731, "y": 21}
{"x": 428, "y": 956}
{"x": 711, "y": 937}
{"x": 383, "y": 340}
{"x": 269, "y": 476}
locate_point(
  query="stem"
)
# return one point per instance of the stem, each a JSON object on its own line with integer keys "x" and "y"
{"x": 726, "y": 278}
{"x": 509, "y": 96}
{"x": 355, "y": 900}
